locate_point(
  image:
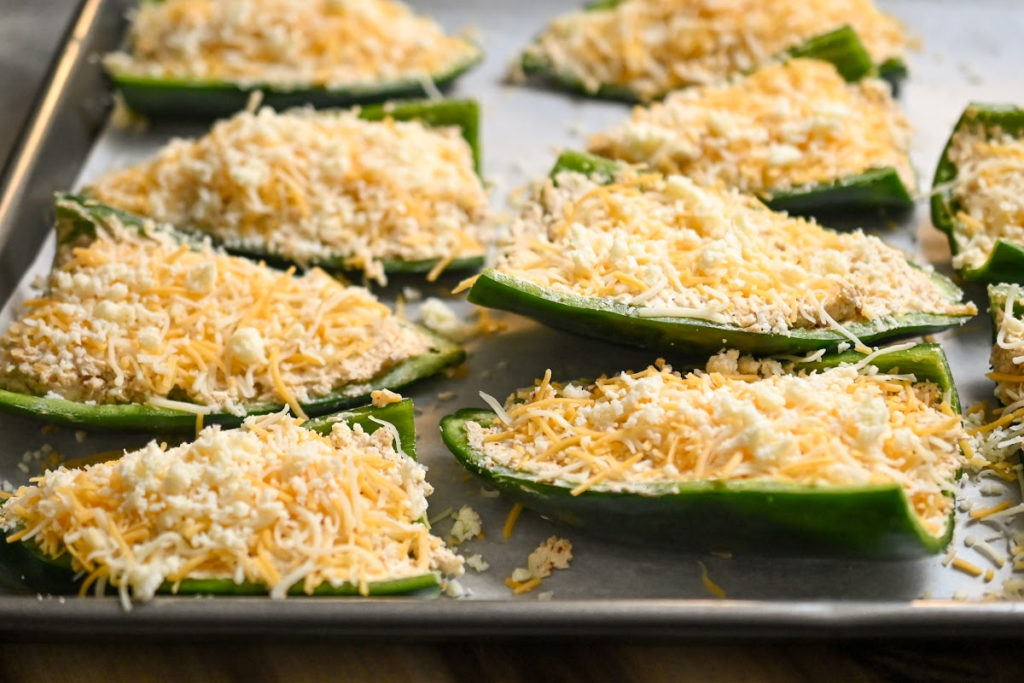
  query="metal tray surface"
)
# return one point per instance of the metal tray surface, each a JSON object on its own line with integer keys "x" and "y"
{"x": 969, "y": 53}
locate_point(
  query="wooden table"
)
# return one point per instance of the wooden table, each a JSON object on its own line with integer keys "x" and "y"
{"x": 592, "y": 660}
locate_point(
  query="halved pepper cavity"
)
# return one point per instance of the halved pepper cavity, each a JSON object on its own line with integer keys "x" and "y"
{"x": 46, "y": 574}
{"x": 754, "y": 516}
{"x": 78, "y": 221}
{"x": 620, "y": 322}
{"x": 1005, "y": 261}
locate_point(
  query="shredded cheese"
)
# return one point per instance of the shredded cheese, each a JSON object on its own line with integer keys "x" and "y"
{"x": 663, "y": 244}
{"x": 710, "y": 585}
{"x": 269, "y": 503}
{"x": 511, "y": 520}
{"x": 139, "y": 318}
{"x": 836, "y": 427}
{"x": 654, "y": 46}
{"x": 288, "y": 44}
{"x": 988, "y": 192}
{"x": 316, "y": 185}
{"x": 783, "y": 127}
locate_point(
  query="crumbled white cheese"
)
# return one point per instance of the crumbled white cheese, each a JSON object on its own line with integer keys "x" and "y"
{"x": 466, "y": 525}
{"x": 436, "y": 315}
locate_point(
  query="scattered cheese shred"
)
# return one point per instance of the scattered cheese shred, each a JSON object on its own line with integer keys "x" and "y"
{"x": 510, "y": 521}
{"x": 314, "y": 186}
{"x": 988, "y": 512}
{"x": 783, "y": 127}
{"x": 836, "y": 427}
{"x": 288, "y": 44}
{"x": 269, "y": 503}
{"x": 655, "y": 46}
{"x": 710, "y": 585}
{"x": 664, "y": 244}
{"x": 135, "y": 317}
{"x": 967, "y": 567}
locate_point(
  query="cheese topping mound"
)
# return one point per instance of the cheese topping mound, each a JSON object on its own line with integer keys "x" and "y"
{"x": 288, "y": 44}
{"x": 672, "y": 248}
{"x": 654, "y": 46}
{"x": 989, "y": 192}
{"x": 143, "y": 319}
{"x": 784, "y": 126}
{"x": 313, "y": 185}
{"x": 269, "y": 503}
{"x": 738, "y": 420}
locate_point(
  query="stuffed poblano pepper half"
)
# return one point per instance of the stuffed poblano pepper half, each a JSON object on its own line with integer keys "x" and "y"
{"x": 640, "y": 50}
{"x": 793, "y": 133}
{"x": 377, "y": 191}
{"x": 844, "y": 455}
{"x": 141, "y": 328}
{"x": 270, "y": 507}
{"x": 208, "y": 58}
{"x": 978, "y": 193}
{"x": 658, "y": 261}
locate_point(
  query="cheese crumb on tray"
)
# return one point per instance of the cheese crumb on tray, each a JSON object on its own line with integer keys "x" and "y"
{"x": 553, "y": 553}
{"x": 136, "y": 316}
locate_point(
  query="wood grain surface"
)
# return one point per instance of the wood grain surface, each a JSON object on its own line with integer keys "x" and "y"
{"x": 511, "y": 661}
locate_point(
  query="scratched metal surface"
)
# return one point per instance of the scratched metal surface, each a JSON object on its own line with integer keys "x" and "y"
{"x": 968, "y": 53}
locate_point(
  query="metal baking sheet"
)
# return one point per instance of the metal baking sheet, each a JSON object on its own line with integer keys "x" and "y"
{"x": 967, "y": 53}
